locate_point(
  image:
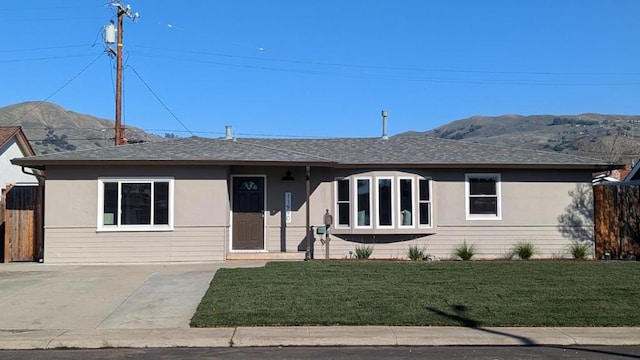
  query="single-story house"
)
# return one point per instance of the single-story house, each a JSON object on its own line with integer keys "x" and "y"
{"x": 201, "y": 199}
{"x": 14, "y": 144}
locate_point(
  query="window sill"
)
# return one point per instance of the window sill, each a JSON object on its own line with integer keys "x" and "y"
{"x": 135, "y": 229}
{"x": 397, "y": 231}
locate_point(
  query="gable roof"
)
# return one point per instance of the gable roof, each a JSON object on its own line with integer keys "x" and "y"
{"x": 405, "y": 151}
{"x": 633, "y": 174}
{"x": 9, "y": 132}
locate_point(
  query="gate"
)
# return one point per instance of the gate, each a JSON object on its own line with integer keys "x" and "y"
{"x": 23, "y": 240}
{"x": 617, "y": 220}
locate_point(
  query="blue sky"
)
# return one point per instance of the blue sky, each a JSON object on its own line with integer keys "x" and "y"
{"x": 325, "y": 68}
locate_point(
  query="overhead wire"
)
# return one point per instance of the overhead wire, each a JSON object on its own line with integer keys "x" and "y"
{"x": 403, "y": 78}
{"x": 45, "y": 48}
{"x": 314, "y": 62}
{"x": 48, "y": 58}
{"x": 160, "y": 100}
{"x": 57, "y": 90}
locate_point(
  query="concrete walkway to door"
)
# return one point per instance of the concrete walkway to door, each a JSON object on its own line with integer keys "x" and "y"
{"x": 40, "y": 296}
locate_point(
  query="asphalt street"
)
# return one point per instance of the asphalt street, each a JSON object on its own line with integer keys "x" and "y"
{"x": 355, "y": 353}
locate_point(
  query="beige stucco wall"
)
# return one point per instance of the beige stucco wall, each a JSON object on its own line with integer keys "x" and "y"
{"x": 531, "y": 203}
{"x": 201, "y": 214}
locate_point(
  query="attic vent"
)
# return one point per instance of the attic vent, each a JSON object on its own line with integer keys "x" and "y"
{"x": 227, "y": 132}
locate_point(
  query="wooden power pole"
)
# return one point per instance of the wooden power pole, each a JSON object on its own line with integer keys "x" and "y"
{"x": 122, "y": 11}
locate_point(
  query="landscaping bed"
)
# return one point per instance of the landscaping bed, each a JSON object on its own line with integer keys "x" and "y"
{"x": 469, "y": 293}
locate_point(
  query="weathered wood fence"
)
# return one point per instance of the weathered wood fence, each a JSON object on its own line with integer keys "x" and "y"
{"x": 617, "y": 220}
{"x": 23, "y": 228}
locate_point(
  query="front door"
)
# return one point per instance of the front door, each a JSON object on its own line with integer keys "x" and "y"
{"x": 248, "y": 213}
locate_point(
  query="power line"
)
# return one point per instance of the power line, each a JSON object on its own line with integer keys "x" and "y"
{"x": 159, "y": 100}
{"x": 47, "y": 58}
{"x": 313, "y": 62}
{"x": 406, "y": 78}
{"x": 57, "y": 90}
{"x": 46, "y": 48}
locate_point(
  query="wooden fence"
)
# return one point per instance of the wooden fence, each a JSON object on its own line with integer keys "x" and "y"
{"x": 2, "y": 227}
{"x": 23, "y": 230}
{"x": 617, "y": 221}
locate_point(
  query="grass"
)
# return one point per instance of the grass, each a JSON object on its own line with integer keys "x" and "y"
{"x": 491, "y": 293}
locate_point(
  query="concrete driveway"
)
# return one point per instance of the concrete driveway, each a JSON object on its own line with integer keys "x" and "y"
{"x": 39, "y": 296}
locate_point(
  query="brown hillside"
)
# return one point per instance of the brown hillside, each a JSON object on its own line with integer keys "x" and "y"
{"x": 50, "y": 128}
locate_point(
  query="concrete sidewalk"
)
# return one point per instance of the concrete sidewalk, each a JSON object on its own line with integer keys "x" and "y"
{"x": 77, "y": 306}
{"x": 317, "y": 336}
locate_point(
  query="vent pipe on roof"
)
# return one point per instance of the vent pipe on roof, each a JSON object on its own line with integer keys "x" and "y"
{"x": 227, "y": 132}
{"x": 384, "y": 125}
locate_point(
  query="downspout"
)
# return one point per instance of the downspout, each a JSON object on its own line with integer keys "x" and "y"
{"x": 37, "y": 176}
{"x": 40, "y": 213}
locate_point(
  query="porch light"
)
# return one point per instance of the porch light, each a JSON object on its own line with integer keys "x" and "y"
{"x": 287, "y": 176}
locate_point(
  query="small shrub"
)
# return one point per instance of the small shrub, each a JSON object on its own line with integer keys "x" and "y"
{"x": 464, "y": 251}
{"x": 363, "y": 251}
{"x": 578, "y": 250}
{"x": 525, "y": 250}
{"x": 507, "y": 255}
{"x": 416, "y": 254}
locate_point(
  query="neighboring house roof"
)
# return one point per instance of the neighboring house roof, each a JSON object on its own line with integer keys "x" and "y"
{"x": 9, "y": 132}
{"x": 415, "y": 151}
{"x": 603, "y": 178}
{"x": 634, "y": 174}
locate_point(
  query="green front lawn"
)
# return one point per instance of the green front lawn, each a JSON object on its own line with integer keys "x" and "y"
{"x": 470, "y": 293}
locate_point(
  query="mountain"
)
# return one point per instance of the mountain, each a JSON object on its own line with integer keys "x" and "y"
{"x": 607, "y": 137}
{"x": 50, "y": 128}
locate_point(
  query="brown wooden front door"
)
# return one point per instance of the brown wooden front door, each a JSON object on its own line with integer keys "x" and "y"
{"x": 248, "y": 213}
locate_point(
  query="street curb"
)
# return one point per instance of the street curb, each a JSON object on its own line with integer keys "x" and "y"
{"x": 14, "y": 339}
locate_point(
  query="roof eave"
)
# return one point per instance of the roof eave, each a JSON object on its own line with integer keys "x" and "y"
{"x": 593, "y": 167}
{"x": 35, "y": 163}
{"x": 41, "y": 164}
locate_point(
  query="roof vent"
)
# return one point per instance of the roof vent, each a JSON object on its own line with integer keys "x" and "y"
{"x": 384, "y": 125}
{"x": 227, "y": 132}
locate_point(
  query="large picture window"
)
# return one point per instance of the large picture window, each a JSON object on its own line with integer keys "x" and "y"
{"x": 135, "y": 204}
{"x": 483, "y": 196}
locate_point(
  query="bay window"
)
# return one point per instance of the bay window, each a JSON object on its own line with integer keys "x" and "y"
{"x": 343, "y": 196}
{"x": 383, "y": 202}
{"x": 363, "y": 202}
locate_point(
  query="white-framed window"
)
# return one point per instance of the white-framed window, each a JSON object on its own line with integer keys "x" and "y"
{"x": 424, "y": 203}
{"x": 343, "y": 202}
{"x": 384, "y": 202}
{"x": 406, "y": 211}
{"x": 483, "y": 196}
{"x": 363, "y": 203}
{"x": 135, "y": 204}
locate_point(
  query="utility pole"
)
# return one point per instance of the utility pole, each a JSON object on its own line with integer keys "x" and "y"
{"x": 122, "y": 11}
